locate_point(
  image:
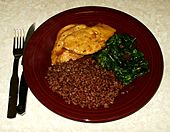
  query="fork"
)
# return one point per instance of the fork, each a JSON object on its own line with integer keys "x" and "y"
{"x": 18, "y": 44}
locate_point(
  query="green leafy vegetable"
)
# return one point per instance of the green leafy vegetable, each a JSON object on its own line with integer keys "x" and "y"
{"x": 123, "y": 58}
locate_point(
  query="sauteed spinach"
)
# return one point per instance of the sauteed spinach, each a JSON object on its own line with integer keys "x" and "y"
{"x": 121, "y": 56}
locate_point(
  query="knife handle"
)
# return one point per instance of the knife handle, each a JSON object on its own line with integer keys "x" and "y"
{"x": 13, "y": 92}
{"x": 22, "y": 95}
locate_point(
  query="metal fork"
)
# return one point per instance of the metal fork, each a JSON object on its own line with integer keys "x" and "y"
{"x": 18, "y": 45}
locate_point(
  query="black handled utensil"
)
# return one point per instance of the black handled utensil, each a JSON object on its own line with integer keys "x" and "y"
{"x": 13, "y": 91}
{"x": 23, "y": 88}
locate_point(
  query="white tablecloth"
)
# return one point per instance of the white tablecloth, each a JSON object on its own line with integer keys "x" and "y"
{"x": 153, "y": 117}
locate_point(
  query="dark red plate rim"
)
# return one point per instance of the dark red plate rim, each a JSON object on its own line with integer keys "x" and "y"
{"x": 37, "y": 61}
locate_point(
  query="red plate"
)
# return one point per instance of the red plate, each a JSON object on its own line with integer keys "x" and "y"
{"x": 37, "y": 60}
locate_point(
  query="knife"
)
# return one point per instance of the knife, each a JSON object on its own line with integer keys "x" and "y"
{"x": 23, "y": 88}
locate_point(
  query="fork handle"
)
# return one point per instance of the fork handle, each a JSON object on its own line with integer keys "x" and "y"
{"x": 13, "y": 92}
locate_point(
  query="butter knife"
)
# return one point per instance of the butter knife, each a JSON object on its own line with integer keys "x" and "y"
{"x": 23, "y": 88}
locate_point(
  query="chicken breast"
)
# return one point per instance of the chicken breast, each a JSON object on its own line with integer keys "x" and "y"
{"x": 76, "y": 40}
{"x": 88, "y": 40}
{"x": 58, "y": 46}
{"x": 67, "y": 55}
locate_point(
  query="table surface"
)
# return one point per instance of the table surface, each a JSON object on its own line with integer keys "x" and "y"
{"x": 153, "y": 117}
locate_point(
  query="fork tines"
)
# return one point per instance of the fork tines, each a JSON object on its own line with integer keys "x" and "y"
{"x": 18, "y": 38}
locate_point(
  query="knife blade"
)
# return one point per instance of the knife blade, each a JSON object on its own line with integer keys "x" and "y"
{"x": 23, "y": 88}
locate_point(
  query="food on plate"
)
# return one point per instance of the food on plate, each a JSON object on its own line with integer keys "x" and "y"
{"x": 88, "y": 40}
{"x": 121, "y": 56}
{"x": 82, "y": 82}
{"x": 79, "y": 40}
{"x": 90, "y": 65}
{"x": 67, "y": 55}
{"x": 58, "y": 48}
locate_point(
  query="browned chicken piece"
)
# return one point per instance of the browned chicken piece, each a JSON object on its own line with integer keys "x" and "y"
{"x": 76, "y": 40}
{"x": 58, "y": 46}
{"x": 88, "y": 40}
{"x": 66, "y": 56}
